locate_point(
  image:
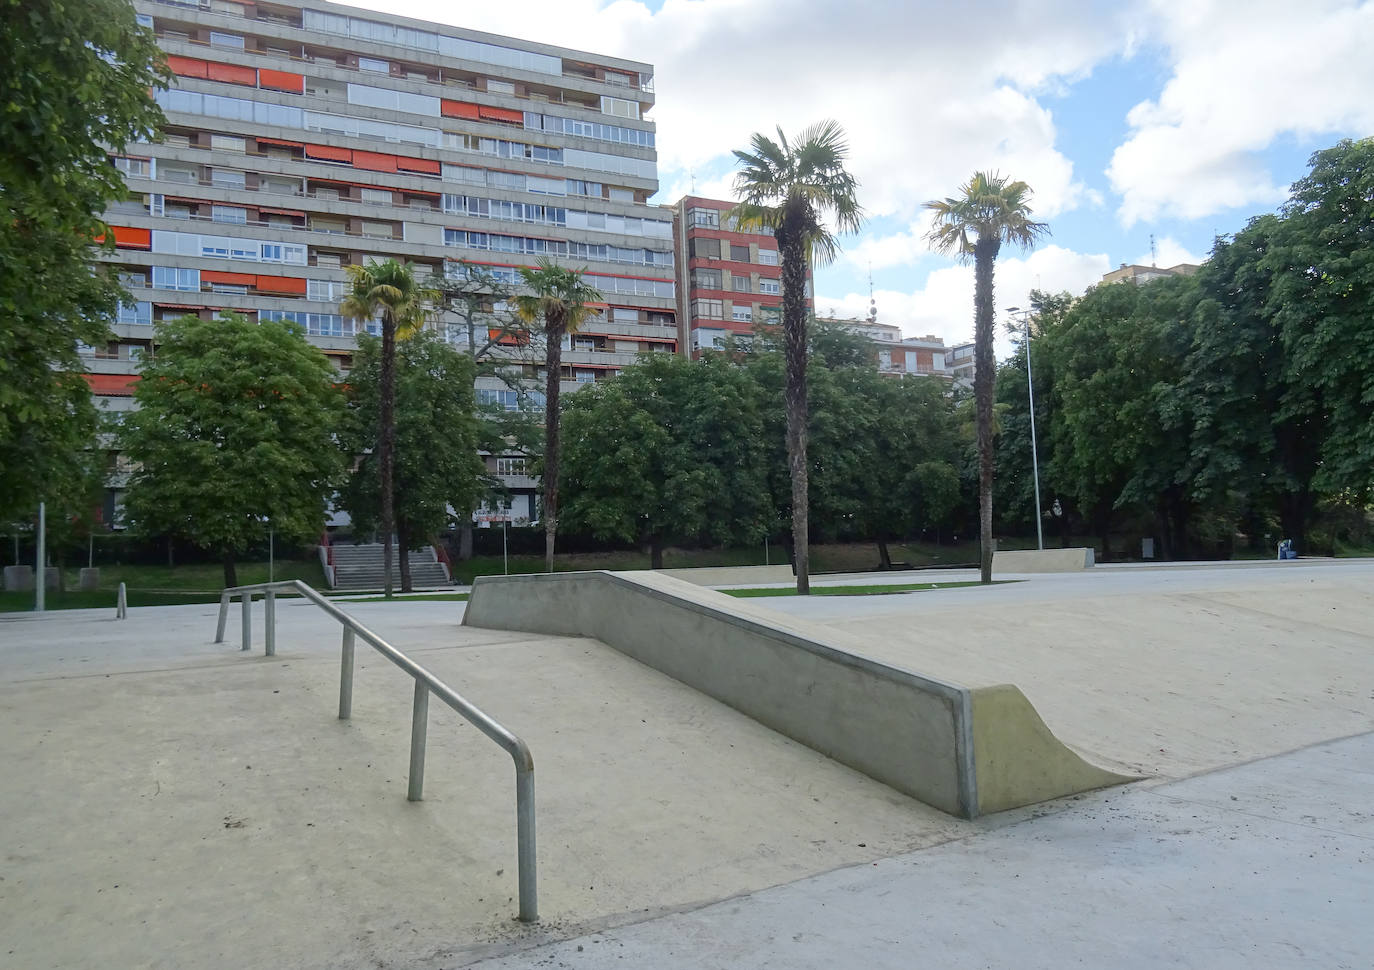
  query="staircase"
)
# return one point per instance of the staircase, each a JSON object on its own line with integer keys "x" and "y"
{"x": 360, "y": 567}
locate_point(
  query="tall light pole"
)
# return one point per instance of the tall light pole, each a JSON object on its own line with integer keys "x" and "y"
{"x": 1030, "y": 391}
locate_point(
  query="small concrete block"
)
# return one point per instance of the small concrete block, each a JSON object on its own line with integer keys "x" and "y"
{"x": 90, "y": 578}
{"x": 18, "y": 579}
{"x": 52, "y": 578}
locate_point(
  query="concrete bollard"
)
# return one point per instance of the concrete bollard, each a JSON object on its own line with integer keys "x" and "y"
{"x": 19, "y": 579}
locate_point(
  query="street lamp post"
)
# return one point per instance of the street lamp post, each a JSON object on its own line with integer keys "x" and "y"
{"x": 1030, "y": 391}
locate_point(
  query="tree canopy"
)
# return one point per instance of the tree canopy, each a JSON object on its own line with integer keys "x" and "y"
{"x": 76, "y": 80}
{"x": 231, "y": 434}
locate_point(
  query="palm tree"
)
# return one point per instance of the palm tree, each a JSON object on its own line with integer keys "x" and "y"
{"x": 791, "y": 189}
{"x": 562, "y": 301}
{"x": 388, "y": 289}
{"x": 990, "y": 210}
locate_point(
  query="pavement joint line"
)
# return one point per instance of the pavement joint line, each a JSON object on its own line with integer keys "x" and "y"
{"x": 1225, "y": 809}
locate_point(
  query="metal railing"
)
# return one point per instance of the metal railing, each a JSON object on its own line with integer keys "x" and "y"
{"x": 425, "y": 684}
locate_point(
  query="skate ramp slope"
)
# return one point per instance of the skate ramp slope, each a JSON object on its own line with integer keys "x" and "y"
{"x": 964, "y": 751}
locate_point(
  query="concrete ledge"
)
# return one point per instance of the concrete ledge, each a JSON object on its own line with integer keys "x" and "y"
{"x": 914, "y": 733}
{"x": 1042, "y": 560}
{"x": 731, "y": 575}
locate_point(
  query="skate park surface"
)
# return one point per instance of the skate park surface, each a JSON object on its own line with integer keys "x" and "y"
{"x": 172, "y": 802}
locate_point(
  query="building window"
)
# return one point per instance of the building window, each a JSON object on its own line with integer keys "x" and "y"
{"x": 377, "y": 196}
{"x": 768, "y": 257}
{"x": 584, "y": 376}
{"x": 228, "y": 213}
{"x": 706, "y": 248}
{"x": 137, "y": 314}
{"x": 707, "y": 279}
{"x": 742, "y": 314}
{"x": 708, "y": 309}
{"x": 739, "y": 254}
{"x": 135, "y": 167}
{"x": 174, "y": 278}
{"x": 374, "y": 65}
{"x": 228, "y": 143}
{"x": 510, "y": 466}
{"x": 771, "y": 287}
{"x": 739, "y": 283}
{"x": 226, "y": 40}
{"x": 227, "y": 178}
{"x": 704, "y": 217}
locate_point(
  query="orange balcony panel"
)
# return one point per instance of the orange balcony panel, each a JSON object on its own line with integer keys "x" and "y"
{"x": 281, "y": 81}
{"x": 374, "y": 161}
{"x": 423, "y": 165}
{"x": 127, "y": 238}
{"x": 112, "y": 385}
{"x": 233, "y": 74}
{"x": 233, "y": 279}
{"x": 329, "y": 154}
{"x": 488, "y": 113}
{"x": 187, "y": 66}
{"x": 294, "y": 285}
{"x": 459, "y": 109}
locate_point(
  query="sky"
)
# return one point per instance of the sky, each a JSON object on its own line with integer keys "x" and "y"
{"x": 1171, "y": 120}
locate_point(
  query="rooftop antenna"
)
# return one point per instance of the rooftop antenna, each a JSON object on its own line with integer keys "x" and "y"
{"x": 1152, "y": 250}
{"x": 872, "y": 303}
{"x": 694, "y": 182}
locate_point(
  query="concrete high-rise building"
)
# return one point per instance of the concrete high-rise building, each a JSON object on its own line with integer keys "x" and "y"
{"x": 728, "y": 280}
{"x": 894, "y": 354}
{"x": 306, "y": 137}
{"x": 1135, "y": 273}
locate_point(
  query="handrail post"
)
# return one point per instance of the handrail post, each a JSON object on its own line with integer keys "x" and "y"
{"x": 525, "y": 844}
{"x": 346, "y": 676}
{"x": 223, "y": 616}
{"x": 246, "y": 598}
{"x": 269, "y": 616}
{"x": 419, "y": 727}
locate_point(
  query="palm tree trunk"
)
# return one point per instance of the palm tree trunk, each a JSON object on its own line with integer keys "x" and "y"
{"x": 794, "y": 347}
{"x": 984, "y": 375}
{"x": 403, "y": 553}
{"x": 386, "y": 443}
{"x": 553, "y": 361}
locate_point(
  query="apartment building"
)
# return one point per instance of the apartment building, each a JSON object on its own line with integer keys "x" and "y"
{"x": 728, "y": 280}
{"x": 1136, "y": 273}
{"x": 896, "y": 355}
{"x": 306, "y": 137}
{"x": 960, "y": 363}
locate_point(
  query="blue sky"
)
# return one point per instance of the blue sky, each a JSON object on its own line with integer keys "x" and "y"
{"x": 1177, "y": 118}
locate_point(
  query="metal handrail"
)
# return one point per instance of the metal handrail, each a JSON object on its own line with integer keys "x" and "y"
{"x": 425, "y": 684}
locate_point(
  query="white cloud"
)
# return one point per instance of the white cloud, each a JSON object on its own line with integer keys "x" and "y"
{"x": 1245, "y": 73}
{"x": 924, "y": 100}
{"x": 1168, "y": 252}
{"x": 944, "y": 305}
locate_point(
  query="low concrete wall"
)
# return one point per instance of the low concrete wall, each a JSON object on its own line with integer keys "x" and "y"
{"x": 731, "y": 575}
{"x": 1042, "y": 560}
{"x": 914, "y": 733}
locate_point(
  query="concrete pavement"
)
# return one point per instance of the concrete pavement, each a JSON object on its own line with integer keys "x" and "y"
{"x": 1269, "y": 864}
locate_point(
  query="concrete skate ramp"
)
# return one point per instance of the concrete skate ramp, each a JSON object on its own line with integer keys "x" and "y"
{"x": 963, "y": 751}
{"x": 1042, "y": 560}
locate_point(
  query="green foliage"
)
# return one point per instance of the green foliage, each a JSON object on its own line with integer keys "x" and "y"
{"x": 233, "y": 424}
{"x": 75, "y": 78}
{"x": 437, "y": 466}
{"x": 667, "y": 450}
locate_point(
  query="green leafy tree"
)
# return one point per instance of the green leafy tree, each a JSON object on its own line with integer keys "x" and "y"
{"x": 232, "y": 428}
{"x": 561, "y": 302}
{"x": 1323, "y": 304}
{"x": 990, "y": 210}
{"x": 438, "y": 475}
{"x": 669, "y": 449}
{"x": 76, "y": 78}
{"x": 793, "y": 189}
{"x": 388, "y": 290}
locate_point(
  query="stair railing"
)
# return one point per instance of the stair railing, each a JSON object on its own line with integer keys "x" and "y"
{"x": 426, "y": 683}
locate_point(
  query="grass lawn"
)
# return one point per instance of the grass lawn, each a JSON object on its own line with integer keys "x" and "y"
{"x": 101, "y": 599}
{"x": 876, "y": 590}
{"x": 434, "y": 598}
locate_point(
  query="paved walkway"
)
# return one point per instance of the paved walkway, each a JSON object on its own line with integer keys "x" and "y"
{"x": 1268, "y": 865}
